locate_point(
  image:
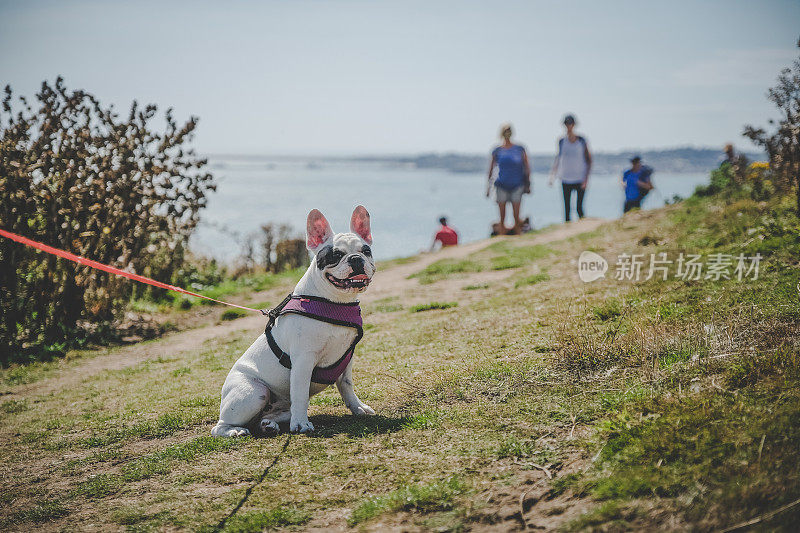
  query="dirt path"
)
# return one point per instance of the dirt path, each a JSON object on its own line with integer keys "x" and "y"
{"x": 393, "y": 281}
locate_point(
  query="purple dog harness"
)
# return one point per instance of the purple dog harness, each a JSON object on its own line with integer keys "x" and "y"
{"x": 346, "y": 314}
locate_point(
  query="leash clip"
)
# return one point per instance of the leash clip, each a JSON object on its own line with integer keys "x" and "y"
{"x": 276, "y": 311}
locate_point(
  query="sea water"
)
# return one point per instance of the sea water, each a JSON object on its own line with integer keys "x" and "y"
{"x": 404, "y": 202}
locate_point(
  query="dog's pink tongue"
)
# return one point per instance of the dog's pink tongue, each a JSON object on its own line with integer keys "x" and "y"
{"x": 358, "y": 277}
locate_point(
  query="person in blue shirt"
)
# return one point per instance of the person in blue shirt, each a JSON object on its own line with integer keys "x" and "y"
{"x": 636, "y": 181}
{"x": 513, "y": 178}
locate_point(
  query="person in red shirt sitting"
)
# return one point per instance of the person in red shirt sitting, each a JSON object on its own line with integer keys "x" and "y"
{"x": 446, "y": 235}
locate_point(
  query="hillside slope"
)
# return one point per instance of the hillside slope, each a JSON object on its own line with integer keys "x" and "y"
{"x": 510, "y": 395}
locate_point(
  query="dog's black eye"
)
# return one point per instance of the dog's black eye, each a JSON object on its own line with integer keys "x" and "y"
{"x": 366, "y": 250}
{"x": 329, "y": 256}
{"x": 324, "y": 257}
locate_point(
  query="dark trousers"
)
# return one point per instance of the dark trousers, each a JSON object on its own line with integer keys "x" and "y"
{"x": 568, "y": 188}
{"x": 630, "y": 204}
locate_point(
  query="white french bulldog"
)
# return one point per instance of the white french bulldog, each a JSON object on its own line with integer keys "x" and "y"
{"x": 342, "y": 268}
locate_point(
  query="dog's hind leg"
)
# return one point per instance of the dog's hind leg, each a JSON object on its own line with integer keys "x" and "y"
{"x": 278, "y": 413}
{"x": 243, "y": 398}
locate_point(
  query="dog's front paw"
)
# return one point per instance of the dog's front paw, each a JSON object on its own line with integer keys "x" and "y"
{"x": 301, "y": 426}
{"x": 226, "y": 430}
{"x": 362, "y": 409}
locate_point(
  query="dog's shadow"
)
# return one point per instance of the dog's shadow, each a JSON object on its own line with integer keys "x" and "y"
{"x": 327, "y": 426}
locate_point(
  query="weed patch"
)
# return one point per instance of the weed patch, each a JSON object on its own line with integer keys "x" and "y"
{"x": 445, "y": 268}
{"x": 41, "y": 512}
{"x": 14, "y": 406}
{"x": 165, "y": 425}
{"x": 531, "y": 280}
{"x": 424, "y": 420}
{"x": 611, "y": 308}
{"x": 510, "y": 256}
{"x": 161, "y": 462}
{"x": 433, "y": 306}
{"x": 421, "y": 498}
{"x": 131, "y": 516}
{"x": 233, "y": 314}
{"x": 263, "y": 520}
{"x": 513, "y": 447}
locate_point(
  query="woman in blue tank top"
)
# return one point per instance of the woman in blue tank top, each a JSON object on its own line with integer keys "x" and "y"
{"x": 513, "y": 178}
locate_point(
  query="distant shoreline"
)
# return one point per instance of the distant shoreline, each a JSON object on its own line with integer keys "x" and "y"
{"x": 675, "y": 160}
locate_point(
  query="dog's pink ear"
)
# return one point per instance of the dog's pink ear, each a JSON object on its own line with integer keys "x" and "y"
{"x": 317, "y": 230}
{"x": 359, "y": 223}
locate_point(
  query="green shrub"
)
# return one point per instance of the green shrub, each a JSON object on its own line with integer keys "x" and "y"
{"x": 75, "y": 176}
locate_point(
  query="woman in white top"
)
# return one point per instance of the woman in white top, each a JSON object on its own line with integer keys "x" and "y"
{"x": 572, "y": 166}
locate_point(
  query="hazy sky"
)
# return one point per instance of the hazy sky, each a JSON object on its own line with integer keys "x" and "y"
{"x": 348, "y": 77}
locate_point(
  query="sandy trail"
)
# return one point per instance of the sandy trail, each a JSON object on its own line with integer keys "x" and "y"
{"x": 394, "y": 281}
{"x": 389, "y": 282}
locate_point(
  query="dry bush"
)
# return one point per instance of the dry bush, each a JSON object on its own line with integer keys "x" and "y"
{"x": 75, "y": 175}
{"x": 290, "y": 254}
{"x": 280, "y": 250}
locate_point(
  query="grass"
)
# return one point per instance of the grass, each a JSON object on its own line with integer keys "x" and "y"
{"x": 233, "y": 314}
{"x": 397, "y": 261}
{"x": 432, "y": 306}
{"x": 426, "y": 498}
{"x": 14, "y": 406}
{"x": 497, "y": 256}
{"x": 721, "y": 467}
{"x": 654, "y": 405}
{"x": 513, "y": 447}
{"x": 609, "y": 515}
{"x": 609, "y": 309}
{"x": 264, "y": 520}
{"x": 387, "y": 305}
{"x": 161, "y": 462}
{"x": 445, "y": 268}
{"x": 41, "y": 512}
{"x": 531, "y": 280}
{"x": 246, "y": 284}
{"x": 511, "y": 256}
{"x": 227, "y": 287}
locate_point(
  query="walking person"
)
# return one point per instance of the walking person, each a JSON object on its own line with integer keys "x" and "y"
{"x": 572, "y": 166}
{"x": 513, "y": 178}
{"x": 637, "y": 183}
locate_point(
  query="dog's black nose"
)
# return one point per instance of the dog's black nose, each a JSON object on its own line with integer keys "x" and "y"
{"x": 356, "y": 262}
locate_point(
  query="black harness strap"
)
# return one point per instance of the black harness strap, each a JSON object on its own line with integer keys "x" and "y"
{"x": 276, "y": 311}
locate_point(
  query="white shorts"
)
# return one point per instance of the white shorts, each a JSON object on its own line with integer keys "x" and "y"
{"x": 503, "y": 195}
